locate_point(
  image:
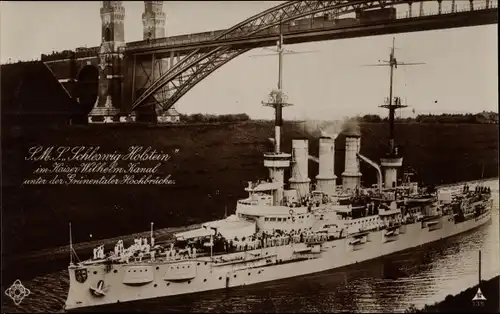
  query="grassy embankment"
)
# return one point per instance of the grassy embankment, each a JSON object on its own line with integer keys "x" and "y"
{"x": 462, "y": 302}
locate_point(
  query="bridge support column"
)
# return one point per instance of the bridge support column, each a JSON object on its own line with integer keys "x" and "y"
{"x": 110, "y": 86}
{"x": 133, "y": 78}
{"x": 439, "y": 6}
{"x": 421, "y": 9}
{"x": 171, "y": 60}
{"x": 109, "y": 98}
{"x": 453, "y": 6}
{"x": 487, "y": 4}
{"x": 409, "y": 9}
{"x": 471, "y": 5}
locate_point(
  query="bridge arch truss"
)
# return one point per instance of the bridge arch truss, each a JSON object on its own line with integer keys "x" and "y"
{"x": 199, "y": 64}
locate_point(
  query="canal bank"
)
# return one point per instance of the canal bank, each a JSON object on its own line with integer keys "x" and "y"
{"x": 463, "y": 302}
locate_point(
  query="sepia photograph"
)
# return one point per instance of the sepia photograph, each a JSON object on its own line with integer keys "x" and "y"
{"x": 250, "y": 156}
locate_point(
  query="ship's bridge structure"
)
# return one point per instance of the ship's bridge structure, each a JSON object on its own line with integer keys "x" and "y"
{"x": 154, "y": 73}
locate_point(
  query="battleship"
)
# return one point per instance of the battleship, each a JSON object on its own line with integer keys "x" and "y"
{"x": 287, "y": 230}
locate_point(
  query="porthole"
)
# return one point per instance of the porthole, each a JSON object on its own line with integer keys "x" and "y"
{"x": 157, "y": 267}
{"x": 168, "y": 284}
{"x": 205, "y": 263}
{"x": 234, "y": 276}
{"x": 249, "y": 274}
{"x": 205, "y": 280}
{"x": 95, "y": 272}
{"x": 115, "y": 271}
{"x": 189, "y": 281}
{"x": 155, "y": 285}
{"x": 198, "y": 264}
{"x": 220, "y": 278}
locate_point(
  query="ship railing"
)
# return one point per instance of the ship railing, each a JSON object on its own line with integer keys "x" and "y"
{"x": 283, "y": 240}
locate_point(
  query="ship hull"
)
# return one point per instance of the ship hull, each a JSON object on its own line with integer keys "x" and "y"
{"x": 202, "y": 275}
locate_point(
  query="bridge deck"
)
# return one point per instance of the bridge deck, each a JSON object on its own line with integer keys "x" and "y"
{"x": 329, "y": 30}
{"x": 305, "y": 26}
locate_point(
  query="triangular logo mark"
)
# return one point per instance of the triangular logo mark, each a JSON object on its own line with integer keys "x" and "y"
{"x": 479, "y": 296}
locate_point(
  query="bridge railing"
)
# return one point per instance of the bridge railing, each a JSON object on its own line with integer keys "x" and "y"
{"x": 308, "y": 24}
{"x": 70, "y": 54}
{"x": 434, "y": 12}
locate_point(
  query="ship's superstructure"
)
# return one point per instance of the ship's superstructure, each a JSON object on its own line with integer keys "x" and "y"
{"x": 285, "y": 229}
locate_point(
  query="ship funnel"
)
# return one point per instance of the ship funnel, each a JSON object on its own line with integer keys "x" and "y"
{"x": 326, "y": 179}
{"x": 351, "y": 177}
{"x": 300, "y": 158}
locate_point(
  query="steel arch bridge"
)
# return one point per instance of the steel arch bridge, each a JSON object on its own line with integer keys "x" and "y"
{"x": 200, "y": 63}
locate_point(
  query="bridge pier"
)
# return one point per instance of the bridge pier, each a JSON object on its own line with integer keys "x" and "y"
{"x": 409, "y": 9}
{"x": 453, "y": 6}
{"x": 106, "y": 108}
{"x": 439, "y": 6}
{"x": 471, "y": 5}
{"x": 109, "y": 98}
{"x": 421, "y": 9}
{"x": 171, "y": 59}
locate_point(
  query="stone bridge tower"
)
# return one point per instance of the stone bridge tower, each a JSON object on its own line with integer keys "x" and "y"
{"x": 153, "y": 20}
{"x": 111, "y": 64}
{"x": 154, "y": 23}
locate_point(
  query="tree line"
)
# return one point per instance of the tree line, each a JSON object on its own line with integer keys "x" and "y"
{"x": 211, "y": 118}
{"x": 478, "y": 118}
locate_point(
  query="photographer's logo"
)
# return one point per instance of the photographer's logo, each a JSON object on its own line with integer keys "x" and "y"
{"x": 479, "y": 298}
{"x": 17, "y": 292}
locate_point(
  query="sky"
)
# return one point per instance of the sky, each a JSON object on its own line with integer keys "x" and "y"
{"x": 460, "y": 73}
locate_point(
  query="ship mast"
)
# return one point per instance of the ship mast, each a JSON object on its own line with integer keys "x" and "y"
{"x": 277, "y": 161}
{"x": 277, "y": 99}
{"x": 392, "y": 161}
{"x": 70, "y": 246}
{"x": 151, "y": 235}
{"x": 393, "y": 103}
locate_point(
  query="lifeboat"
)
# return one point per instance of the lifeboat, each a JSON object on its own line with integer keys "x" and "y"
{"x": 355, "y": 241}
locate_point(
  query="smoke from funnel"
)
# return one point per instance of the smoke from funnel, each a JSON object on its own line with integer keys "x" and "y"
{"x": 351, "y": 128}
{"x": 331, "y": 129}
{"x": 328, "y": 135}
{"x": 316, "y": 128}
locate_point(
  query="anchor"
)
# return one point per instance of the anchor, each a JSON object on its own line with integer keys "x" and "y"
{"x": 99, "y": 291}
